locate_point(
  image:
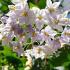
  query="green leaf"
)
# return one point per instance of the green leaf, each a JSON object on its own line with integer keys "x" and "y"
{"x": 4, "y": 7}
{"x": 39, "y": 3}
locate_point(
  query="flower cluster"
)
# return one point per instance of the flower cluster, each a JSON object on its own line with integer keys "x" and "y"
{"x": 49, "y": 26}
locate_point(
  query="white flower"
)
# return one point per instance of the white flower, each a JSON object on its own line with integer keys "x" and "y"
{"x": 63, "y": 19}
{"x": 27, "y": 68}
{"x": 44, "y": 35}
{"x": 65, "y": 37}
{"x": 4, "y": 19}
{"x": 1, "y": 36}
{"x": 59, "y": 68}
{"x": 38, "y": 53}
{"x": 21, "y": 13}
{"x": 37, "y": 36}
{"x": 40, "y": 17}
{"x": 48, "y": 31}
{"x": 35, "y": 52}
{"x": 18, "y": 1}
{"x": 5, "y": 67}
{"x": 17, "y": 47}
{"x": 51, "y": 46}
{"x": 53, "y": 21}
{"x": 57, "y": 21}
{"x": 52, "y": 7}
{"x": 5, "y": 31}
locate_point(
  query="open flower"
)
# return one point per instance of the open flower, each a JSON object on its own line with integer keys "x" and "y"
{"x": 51, "y": 46}
{"x": 17, "y": 47}
{"x": 57, "y": 21}
{"x": 35, "y": 52}
{"x": 48, "y": 31}
{"x": 6, "y": 34}
{"x": 21, "y": 13}
{"x": 63, "y": 19}
{"x": 53, "y": 21}
{"x": 65, "y": 37}
{"x": 52, "y": 7}
{"x": 18, "y": 1}
{"x": 40, "y": 17}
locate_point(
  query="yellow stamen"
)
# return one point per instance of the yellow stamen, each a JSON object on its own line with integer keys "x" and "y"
{"x": 67, "y": 33}
{"x": 33, "y": 34}
{"x": 38, "y": 50}
{"x": 40, "y": 17}
{"x": 51, "y": 10}
{"x": 55, "y": 21}
{"x": 25, "y": 14}
{"x": 46, "y": 33}
{"x": 16, "y": 48}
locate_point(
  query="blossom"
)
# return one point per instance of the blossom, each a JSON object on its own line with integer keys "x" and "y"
{"x": 40, "y": 17}
{"x": 17, "y": 47}
{"x": 63, "y": 19}
{"x": 52, "y": 7}
{"x": 25, "y": 23}
{"x": 48, "y": 31}
{"x": 18, "y": 1}
{"x": 6, "y": 34}
{"x": 57, "y": 21}
{"x": 51, "y": 47}
{"x": 4, "y": 19}
{"x": 35, "y": 52}
{"x": 65, "y": 37}
{"x": 21, "y": 13}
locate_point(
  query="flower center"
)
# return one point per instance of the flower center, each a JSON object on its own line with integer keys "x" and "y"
{"x": 46, "y": 33}
{"x": 40, "y": 17}
{"x": 33, "y": 34}
{"x": 67, "y": 33}
{"x": 51, "y": 10}
{"x": 25, "y": 14}
{"x": 55, "y": 21}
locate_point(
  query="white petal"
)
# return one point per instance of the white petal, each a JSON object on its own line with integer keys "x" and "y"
{"x": 49, "y": 3}
{"x": 15, "y": 1}
{"x": 59, "y": 28}
{"x": 1, "y": 36}
{"x": 65, "y": 14}
{"x": 56, "y": 4}
{"x": 18, "y": 1}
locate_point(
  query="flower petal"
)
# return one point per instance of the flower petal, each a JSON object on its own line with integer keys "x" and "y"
{"x": 56, "y": 4}
{"x": 49, "y": 3}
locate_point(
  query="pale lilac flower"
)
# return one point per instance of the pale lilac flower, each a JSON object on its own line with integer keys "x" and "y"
{"x": 17, "y": 47}
{"x": 56, "y": 22}
{"x": 65, "y": 37}
{"x": 4, "y": 19}
{"x": 48, "y": 31}
{"x": 21, "y": 13}
{"x": 18, "y": 1}
{"x": 51, "y": 46}
{"x": 5, "y": 31}
{"x": 63, "y": 19}
{"x": 53, "y": 21}
{"x": 35, "y": 52}
{"x": 52, "y": 7}
{"x": 40, "y": 17}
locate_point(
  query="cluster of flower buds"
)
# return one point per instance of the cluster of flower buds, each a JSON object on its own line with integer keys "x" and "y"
{"x": 49, "y": 26}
